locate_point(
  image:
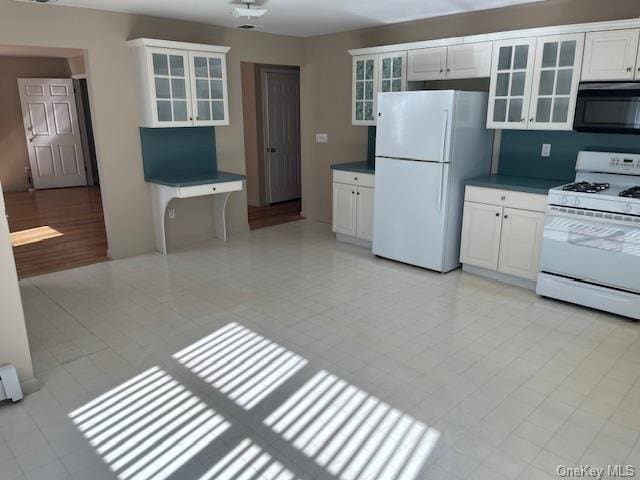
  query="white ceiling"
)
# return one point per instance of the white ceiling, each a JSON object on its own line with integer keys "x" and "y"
{"x": 303, "y": 18}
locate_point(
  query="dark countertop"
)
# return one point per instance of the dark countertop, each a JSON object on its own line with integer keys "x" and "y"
{"x": 189, "y": 180}
{"x": 360, "y": 167}
{"x": 519, "y": 184}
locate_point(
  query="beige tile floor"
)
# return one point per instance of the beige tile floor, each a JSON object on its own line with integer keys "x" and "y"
{"x": 285, "y": 355}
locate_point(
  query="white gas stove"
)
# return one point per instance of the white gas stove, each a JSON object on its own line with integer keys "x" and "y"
{"x": 591, "y": 243}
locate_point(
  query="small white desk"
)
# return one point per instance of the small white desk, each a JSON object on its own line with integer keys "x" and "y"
{"x": 163, "y": 191}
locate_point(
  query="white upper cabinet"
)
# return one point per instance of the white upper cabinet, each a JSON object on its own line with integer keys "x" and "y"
{"x": 393, "y": 72}
{"x": 511, "y": 78}
{"x": 555, "y": 81}
{"x": 427, "y": 63}
{"x": 181, "y": 84}
{"x": 209, "y": 84}
{"x": 611, "y": 55}
{"x": 385, "y": 72}
{"x": 471, "y": 60}
{"x": 365, "y": 86}
{"x": 534, "y": 82}
{"x": 171, "y": 101}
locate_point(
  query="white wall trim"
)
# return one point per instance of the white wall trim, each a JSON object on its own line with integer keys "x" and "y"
{"x": 79, "y": 76}
{"x": 487, "y": 37}
{"x": 199, "y": 47}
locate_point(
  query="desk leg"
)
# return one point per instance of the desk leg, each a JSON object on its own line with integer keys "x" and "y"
{"x": 160, "y": 198}
{"x": 219, "y": 207}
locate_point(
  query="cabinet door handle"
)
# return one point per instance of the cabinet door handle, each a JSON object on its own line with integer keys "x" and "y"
{"x": 448, "y": 69}
{"x": 271, "y": 150}
{"x": 628, "y": 69}
{"x": 497, "y": 214}
{"x": 355, "y": 178}
{"x": 531, "y": 119}
{"x": 503, "y": 198}
{"x": 352, "y": 192}
{"x": 358, "y": 193}
{"x": 506, "y": 216}
{"x": 441, "y": 70}
{"x": 522, "y": 120}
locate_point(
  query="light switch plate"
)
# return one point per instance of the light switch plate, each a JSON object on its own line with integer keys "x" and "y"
{"x": 322, "y": 138}
{"x": 546, "y": 149}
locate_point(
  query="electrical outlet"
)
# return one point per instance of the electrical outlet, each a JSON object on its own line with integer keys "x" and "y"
{"x": 322, "y": 138}
{"x": 172, "y": 213}
{"x": 546, "y": 149}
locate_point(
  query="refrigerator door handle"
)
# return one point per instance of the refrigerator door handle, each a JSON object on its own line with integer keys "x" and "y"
{"x": 441, "y": 188}
{"x": 445, "y": 123}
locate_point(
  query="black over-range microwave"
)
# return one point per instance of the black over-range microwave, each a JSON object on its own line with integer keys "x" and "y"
{"x": 608, "y": 107}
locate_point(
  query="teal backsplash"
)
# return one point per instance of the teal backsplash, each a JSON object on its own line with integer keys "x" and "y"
{"x": 185, "y": 151}
{"x": 520, "y": 151}
{"x": 371, "y": 145}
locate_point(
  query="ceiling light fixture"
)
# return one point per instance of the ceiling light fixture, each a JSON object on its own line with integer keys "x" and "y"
{"x": 246, "y": 11}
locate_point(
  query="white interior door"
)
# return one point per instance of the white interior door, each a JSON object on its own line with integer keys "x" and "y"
{"x": 51, "y": 129}
{"x": 281, "y": 102}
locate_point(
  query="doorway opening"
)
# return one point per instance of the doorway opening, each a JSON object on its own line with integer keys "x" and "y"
{"x": 271, "y": 117}
{"x": 48, "y": 168}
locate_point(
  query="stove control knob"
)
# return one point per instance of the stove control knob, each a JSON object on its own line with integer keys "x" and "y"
{"x": 564, "y": 199}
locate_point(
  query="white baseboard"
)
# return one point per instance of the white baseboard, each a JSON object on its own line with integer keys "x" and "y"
{"x": 30, "y": 386}
{"x": 353, "y": 240}
{"x": 500, "y": 277}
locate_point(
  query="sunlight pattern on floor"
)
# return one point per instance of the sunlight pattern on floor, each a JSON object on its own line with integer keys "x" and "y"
{"x": 148, "y": 427}
{"x": 240, "y": 363}
{"x": 247, "y": 461}
{"x": 351, "y": 433}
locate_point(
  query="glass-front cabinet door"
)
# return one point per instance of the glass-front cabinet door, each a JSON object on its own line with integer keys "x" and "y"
{"x": 555, "y": 83}
{"x": 393, "y": 72}
{"x": 170, "y": 89}
{"x": 209, "y": 87}
{"x": 510, "y": 87}
{"x": 364, "y": 90}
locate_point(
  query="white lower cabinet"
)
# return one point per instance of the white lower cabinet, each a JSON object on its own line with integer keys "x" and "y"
{"x": 344, "y": 209}
{"x": 520, "y": 243}
{"x": 364, "y": 213}
{"x": 481, "y": 227}
{"x": 353, "y": 205}
{"x": 498, "y": 237}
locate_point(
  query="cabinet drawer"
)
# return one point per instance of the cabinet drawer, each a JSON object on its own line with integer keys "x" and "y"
{"x": 506, "y": 198}
{"x": 209, "y": 189}
{"x": 353, "y": 178}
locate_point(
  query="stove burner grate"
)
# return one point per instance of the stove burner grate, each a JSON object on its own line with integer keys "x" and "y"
{"x": 586, "y": 187}
{"x": 633, "y": 192}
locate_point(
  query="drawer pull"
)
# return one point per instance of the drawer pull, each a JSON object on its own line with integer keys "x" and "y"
{"x": 355, "y": 178}
{"x": 214, "y": 189}
{"x": 503, "y": 198}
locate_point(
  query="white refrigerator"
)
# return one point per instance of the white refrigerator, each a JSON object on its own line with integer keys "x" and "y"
{"x": 427, "y": 144}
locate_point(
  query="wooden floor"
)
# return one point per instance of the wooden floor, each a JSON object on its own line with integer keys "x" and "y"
{"x": 56, "y": 229}
{"x": 260, "y": 217}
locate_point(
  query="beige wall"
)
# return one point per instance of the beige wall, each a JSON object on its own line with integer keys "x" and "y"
{"x": 325, "y": 96}
{"x": 14, "y": 346}
{"x": 113, "y": 91}
{"x": 326, "y": 77}
{"x": 13, "y": 149}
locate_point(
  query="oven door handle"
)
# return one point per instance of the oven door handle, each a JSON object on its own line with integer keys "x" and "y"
{"x": 634, "y": 221}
